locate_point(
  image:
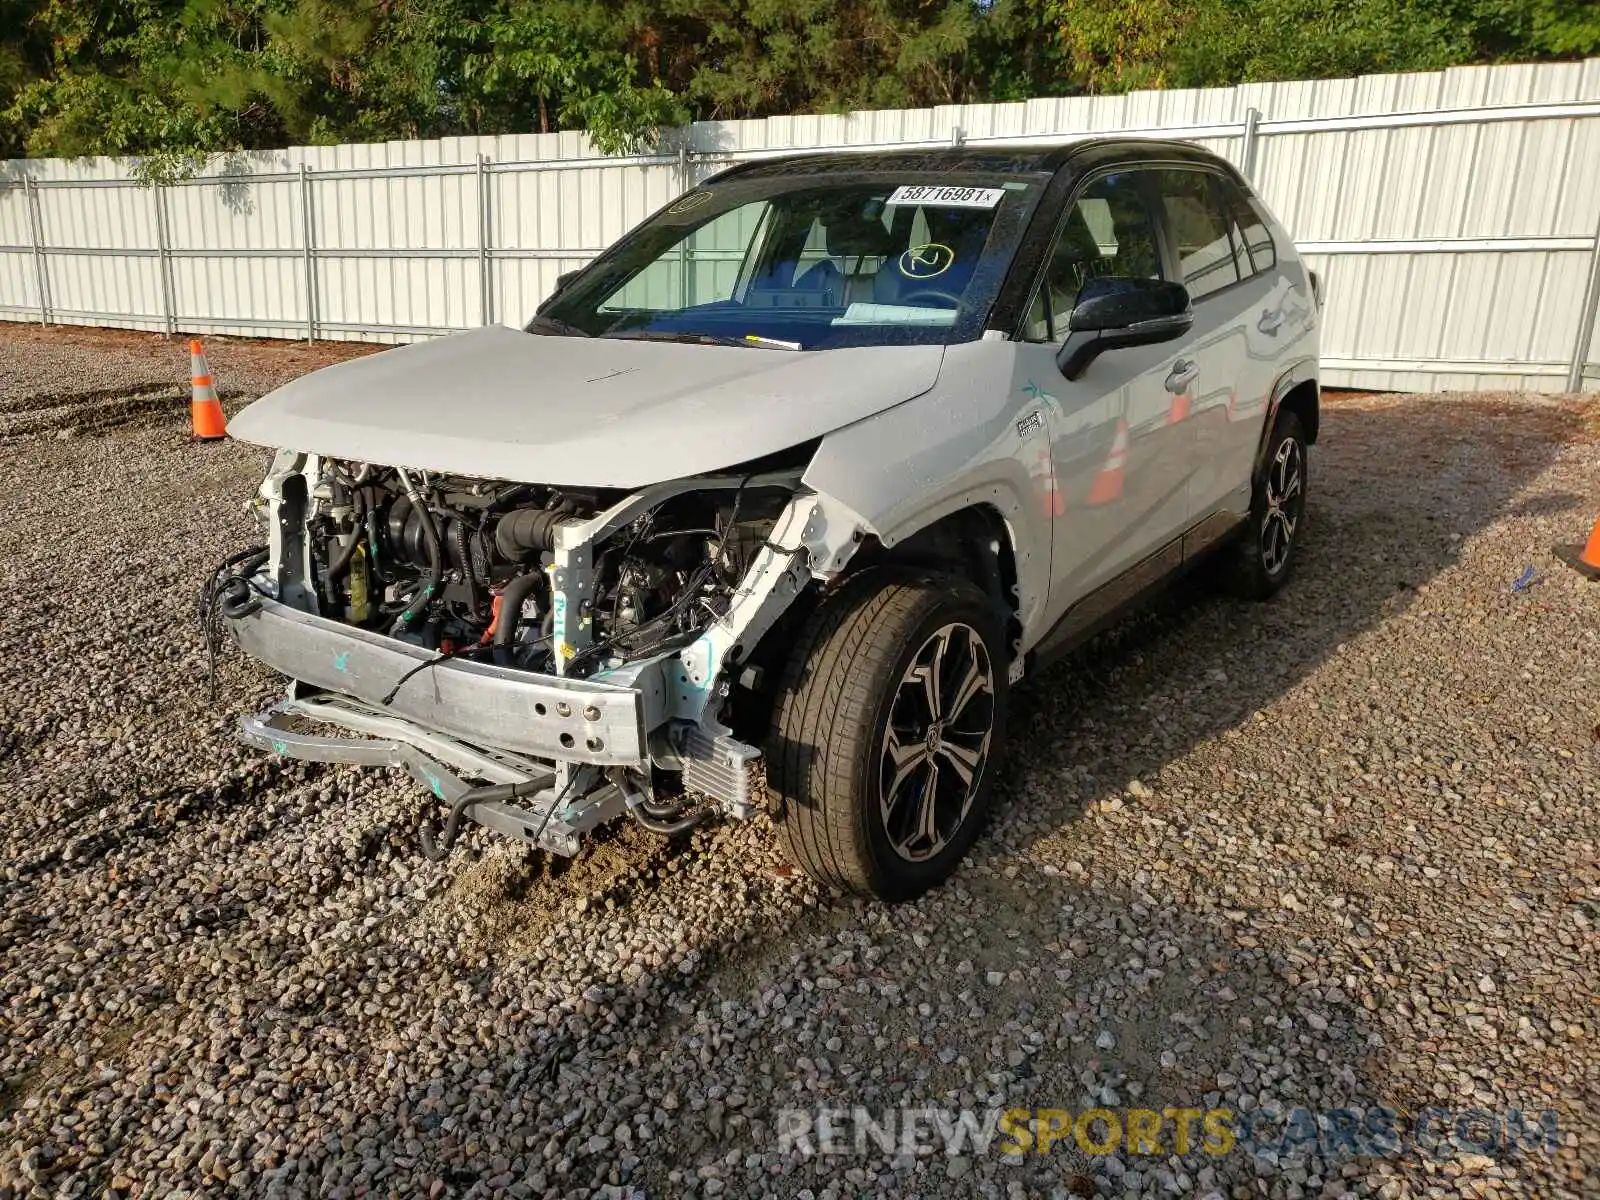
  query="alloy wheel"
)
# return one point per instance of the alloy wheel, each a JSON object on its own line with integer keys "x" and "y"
{"x": 941, "y": 725}
{"x": 1285, "y": 494}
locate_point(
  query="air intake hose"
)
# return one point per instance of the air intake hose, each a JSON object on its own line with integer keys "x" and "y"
{"x": 528, "y": 531}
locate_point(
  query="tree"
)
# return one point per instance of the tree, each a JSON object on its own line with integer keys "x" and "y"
{"x": 571, "y": 60}
{"x": 24, "y": 54}
{"x": 176, "y": 80}
{"x": 1115, "y": 46}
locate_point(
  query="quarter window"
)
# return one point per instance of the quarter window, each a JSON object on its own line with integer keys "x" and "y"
{"x": 1256, "y": 253}
{"x": 1204, "y": 239}
{"x": 1108, "y": 231}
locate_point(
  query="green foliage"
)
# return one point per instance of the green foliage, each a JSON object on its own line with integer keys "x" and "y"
{"x": 178, "y": 81}
{"x": 1118, "y": 45}
{"x": 568, "y": 58}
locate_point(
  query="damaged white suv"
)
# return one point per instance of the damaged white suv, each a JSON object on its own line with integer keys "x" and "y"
{"x": 769, "y": 506}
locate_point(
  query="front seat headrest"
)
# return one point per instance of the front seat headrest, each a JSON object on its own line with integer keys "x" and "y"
{"x": 850, "y": 234}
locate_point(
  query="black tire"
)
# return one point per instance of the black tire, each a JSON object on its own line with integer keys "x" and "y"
{"x": 1265, "y": 552}
{"x": 828, "y": 752}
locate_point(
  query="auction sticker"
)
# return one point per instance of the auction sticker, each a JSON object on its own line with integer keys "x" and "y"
{"x": 938, "y": 196}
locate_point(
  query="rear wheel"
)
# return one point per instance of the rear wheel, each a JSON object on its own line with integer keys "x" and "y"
{"x": 890, "y": 717}
{"x": 1265, "y": 555}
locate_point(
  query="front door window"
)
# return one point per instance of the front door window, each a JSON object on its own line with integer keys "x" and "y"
{"x": 1109, "y": 231}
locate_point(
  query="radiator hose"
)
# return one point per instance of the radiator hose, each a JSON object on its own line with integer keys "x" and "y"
{"x": 438, "y": 851}
{"x": 669, "y": 828}
{"x": 512, "y": 599}
{"x": 652, "y": 817}
{"x": 339, "y": 560}
{"x": 435, "y": 851}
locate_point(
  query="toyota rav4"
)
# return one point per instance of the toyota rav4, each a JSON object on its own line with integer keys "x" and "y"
{"x": 770, "y": 506}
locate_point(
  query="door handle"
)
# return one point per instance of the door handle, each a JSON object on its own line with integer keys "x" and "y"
{"x": 1271, "y": 321}
{"x": 1184, "y": 372}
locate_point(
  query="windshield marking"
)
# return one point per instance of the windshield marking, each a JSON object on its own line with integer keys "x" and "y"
{"x": 691, "y": 202}
{"x": 927, "y": 261}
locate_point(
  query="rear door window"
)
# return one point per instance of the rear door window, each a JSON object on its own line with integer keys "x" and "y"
{"x": 1201, "y": 229}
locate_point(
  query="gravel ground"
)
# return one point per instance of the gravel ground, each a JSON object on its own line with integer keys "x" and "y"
{"x": 64, "y": 381}
{"x": 1337, "y": 851}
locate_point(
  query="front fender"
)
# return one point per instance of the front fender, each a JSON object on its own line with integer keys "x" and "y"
{"x": 954, "y": 447}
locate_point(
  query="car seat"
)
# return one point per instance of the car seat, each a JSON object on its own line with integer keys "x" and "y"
{"x": 855, "y": 238}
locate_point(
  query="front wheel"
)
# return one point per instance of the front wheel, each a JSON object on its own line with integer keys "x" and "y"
{"x": 890, "y": 716}
{"x": 1266, "y": 551}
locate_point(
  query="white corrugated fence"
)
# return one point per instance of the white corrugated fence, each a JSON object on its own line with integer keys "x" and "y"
{"x": 1454, "y": 217}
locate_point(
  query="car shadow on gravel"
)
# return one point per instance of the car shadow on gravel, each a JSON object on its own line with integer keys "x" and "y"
{"x": 1397, "y": 487}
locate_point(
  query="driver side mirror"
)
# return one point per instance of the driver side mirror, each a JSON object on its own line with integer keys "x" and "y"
{"x": 1114, "y": 313}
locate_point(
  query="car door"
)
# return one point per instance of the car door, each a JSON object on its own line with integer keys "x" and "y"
{"x": 1233, "y": 344}
{"x": 1115, "y": 447}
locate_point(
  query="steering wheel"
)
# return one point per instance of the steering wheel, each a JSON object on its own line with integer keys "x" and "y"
{"x": 909, "y": 298}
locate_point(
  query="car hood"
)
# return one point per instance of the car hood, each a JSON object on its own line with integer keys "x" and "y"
{"x": 583, "y": 412}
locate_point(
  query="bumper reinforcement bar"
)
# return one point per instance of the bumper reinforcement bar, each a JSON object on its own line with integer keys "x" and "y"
{"x": 574, "y": 720}
{"x": 439, "y": 763}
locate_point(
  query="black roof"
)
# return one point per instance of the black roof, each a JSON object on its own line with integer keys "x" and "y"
{"x": 998, "y": 158}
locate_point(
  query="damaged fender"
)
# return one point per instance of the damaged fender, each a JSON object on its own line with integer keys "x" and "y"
{"x": 963, "y": 445}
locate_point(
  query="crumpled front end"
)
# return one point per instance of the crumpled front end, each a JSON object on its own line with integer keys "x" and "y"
{"x": 540, "y": 660}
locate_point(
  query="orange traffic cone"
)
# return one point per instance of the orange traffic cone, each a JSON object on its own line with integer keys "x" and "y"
{"x": 1585, "y": 558}
{"x": 205, "y": 410}
{"x": 1107, "y": 485}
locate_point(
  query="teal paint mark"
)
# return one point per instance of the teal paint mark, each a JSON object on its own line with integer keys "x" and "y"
{"x": 279, "y": 747}
{"x": 435, "y": 785}
{"x": 1034, "y": 392}
{"x": 339, "y": 661}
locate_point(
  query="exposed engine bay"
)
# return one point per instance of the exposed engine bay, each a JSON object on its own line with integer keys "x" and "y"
{"x": 465, "y": 566}
{"x": 539, "y": 658}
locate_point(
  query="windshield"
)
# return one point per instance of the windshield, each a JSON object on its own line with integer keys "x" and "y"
{"x": 792, "y": 261}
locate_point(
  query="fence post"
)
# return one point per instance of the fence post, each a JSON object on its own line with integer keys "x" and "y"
{"x": 308, "y": 237}
{"x": 685, "y": 261}
{"x": 164, "y": 245}
{"x": 1586, "y": 318}
{"x": 36, "y": 234}
{"x": 1247, "y": 148}
{"x": 485, "y": 270}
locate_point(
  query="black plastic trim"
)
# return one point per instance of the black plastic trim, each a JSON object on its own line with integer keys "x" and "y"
{"x": 1118, "y": 597}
